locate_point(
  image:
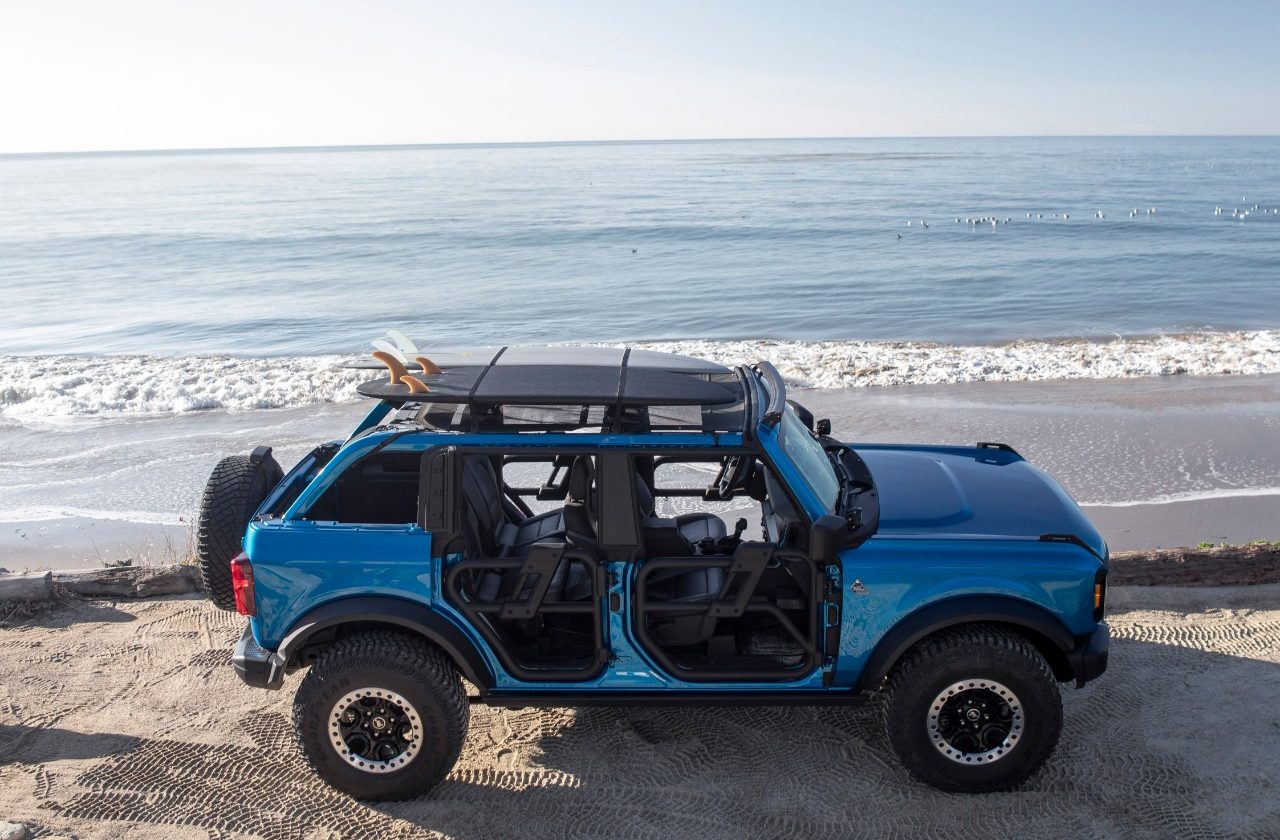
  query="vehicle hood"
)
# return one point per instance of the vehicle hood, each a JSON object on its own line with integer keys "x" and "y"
{"x": 951, "y": 491}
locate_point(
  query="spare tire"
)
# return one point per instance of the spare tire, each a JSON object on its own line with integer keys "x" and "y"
{"x": 234, "y": 491}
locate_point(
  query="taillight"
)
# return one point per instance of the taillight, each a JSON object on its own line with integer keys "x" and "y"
{"x": 242, "y": 584}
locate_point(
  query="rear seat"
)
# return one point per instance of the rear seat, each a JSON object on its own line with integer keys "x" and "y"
{"x": 499, "y": 535}
{"x": 492, "y": 523}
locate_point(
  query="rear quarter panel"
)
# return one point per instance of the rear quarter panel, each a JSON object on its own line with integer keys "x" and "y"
{"x": 299, "y": 565}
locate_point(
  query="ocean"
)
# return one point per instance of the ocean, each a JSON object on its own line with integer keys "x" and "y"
{"x": 161, "y": 308}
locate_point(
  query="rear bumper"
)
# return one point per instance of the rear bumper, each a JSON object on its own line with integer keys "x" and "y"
{"x": 255, "y": 665}
{"x": 1089, "y": 658}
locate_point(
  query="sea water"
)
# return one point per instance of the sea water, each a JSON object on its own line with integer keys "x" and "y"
{"x": 304, "y": 251}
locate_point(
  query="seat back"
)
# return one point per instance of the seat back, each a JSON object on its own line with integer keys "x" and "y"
{"x": 483, "y": 511}
{"x": 645, "y": 502}
{"x": 580, "y": 502}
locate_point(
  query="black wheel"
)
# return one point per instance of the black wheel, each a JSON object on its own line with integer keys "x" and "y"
{"x": 381, "y": 716}
{"x": 233, "y": 492}
{"x": 973, "y": 710}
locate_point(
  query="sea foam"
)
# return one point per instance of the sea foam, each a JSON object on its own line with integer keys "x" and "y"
{"x": 35, "y": 387}
{"x": 852, "y": 364}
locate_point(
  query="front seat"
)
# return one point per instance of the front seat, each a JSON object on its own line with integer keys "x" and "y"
{"x": 675, "y": 538}
{"x": 688, "y": 528}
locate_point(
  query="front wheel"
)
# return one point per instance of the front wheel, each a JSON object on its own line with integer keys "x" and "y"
{"x": 381, "y": 716}
{"x": 973, "y": 710}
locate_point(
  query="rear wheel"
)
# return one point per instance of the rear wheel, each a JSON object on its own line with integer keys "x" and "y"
{"x": 973, "y": 710}
{"x": 234, "y": 491}
{"x": 381, "y": 716}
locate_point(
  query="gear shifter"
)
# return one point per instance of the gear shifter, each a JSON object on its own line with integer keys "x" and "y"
{"x": 729, "y": 544}
{"x": 721, "y": 545}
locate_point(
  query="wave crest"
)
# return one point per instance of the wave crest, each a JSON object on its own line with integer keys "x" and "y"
{"x": 35, "y": 387}
{"x": 852, "y": 364}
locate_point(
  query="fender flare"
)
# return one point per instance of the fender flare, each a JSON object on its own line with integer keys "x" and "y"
{"x": 373, "y": 609}
{"x": 1049, "y": 634}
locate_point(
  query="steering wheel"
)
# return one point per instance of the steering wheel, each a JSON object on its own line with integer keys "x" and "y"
{"x": 733, "y": 472}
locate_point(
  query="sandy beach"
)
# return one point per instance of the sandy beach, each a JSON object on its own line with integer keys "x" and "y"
{"x": 125, "y": 720}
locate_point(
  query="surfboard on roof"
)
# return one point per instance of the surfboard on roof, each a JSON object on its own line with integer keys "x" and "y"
{"x": 510, "y": 375}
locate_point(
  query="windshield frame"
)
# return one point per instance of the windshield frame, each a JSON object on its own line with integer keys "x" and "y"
{"x": 812, "y": 463}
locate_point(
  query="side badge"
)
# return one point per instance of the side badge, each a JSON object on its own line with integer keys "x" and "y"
{"x": 857, "y": 588}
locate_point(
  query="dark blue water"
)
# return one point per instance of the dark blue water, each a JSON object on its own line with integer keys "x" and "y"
{"x": 305, "y": 251}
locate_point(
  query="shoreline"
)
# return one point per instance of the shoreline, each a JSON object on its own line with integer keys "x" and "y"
{"x": 1154, "y": 461}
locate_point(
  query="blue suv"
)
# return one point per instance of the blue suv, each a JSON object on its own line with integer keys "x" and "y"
{"x": 590, "y": 526}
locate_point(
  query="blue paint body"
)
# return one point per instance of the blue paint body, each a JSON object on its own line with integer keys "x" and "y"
{"x": 954, "y": 522}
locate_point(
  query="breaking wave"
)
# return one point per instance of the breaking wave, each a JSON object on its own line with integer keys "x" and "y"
{"x": 851, "y": 364}
{"x": 35, "y": 387}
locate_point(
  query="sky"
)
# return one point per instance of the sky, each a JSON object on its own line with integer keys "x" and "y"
{"x": 80, "y": 75}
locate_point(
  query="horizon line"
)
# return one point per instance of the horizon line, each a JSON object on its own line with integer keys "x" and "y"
{"x": 341, "y": 147}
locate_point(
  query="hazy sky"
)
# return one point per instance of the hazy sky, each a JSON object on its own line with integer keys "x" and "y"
{"x": 136, "y": 74}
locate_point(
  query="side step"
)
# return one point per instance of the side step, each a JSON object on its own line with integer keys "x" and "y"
{"x": 833, "y": 697}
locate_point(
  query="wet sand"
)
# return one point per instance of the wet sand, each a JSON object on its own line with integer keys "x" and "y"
{"x": 81, "y": 492}
{"x": 1178, "y": 446}
{"x": 1176, "y": 524}
{"x": 146, "y": 732}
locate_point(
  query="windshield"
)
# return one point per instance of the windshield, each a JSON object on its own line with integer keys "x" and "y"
{"x": 811, "y": 459}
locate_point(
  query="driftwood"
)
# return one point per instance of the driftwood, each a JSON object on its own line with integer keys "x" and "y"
{"x": 115, "y": 582}
{"x": 130, "y": 581}
{"x": 26, "y": 586}
{"x": 1231, "y": 565}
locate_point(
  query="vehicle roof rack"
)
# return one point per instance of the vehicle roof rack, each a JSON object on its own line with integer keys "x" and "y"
{"x": 550, "y": 376}
{"x": 452, "y": 357}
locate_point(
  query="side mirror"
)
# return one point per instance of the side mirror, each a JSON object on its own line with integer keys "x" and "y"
{"x": 827, "y": 536}
{"x": 824, "y": 427}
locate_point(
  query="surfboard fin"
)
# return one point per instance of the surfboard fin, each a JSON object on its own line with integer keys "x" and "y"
{"x": 416, "y": 385}
{"x": 428, "y": 366}
{"x": 395, "y": 367}
{"x": 402, "y": 341}
{"x": 389, "y": 348}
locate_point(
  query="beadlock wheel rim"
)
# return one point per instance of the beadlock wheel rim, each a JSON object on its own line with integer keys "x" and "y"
{"x": 375, "y": 730}
{"x": 975, "y": 721}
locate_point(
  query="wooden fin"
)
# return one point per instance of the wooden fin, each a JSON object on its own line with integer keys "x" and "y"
{"x": 416, "y": 385}
{"x": 395, "y": 367}
{"x": 428, "y": 366}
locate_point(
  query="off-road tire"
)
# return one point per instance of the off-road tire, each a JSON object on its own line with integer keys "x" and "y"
{"x": 974, "y": 652}
{"x": 387, "y": 660}
{"x": 233, "y": 492}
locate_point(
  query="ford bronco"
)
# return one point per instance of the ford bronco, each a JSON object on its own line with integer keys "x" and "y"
{"x": 576, "y": 526}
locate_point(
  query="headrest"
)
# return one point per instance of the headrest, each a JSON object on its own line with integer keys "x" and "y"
{"x": 581, "y": 476}
{"x": 644, "y": 496}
